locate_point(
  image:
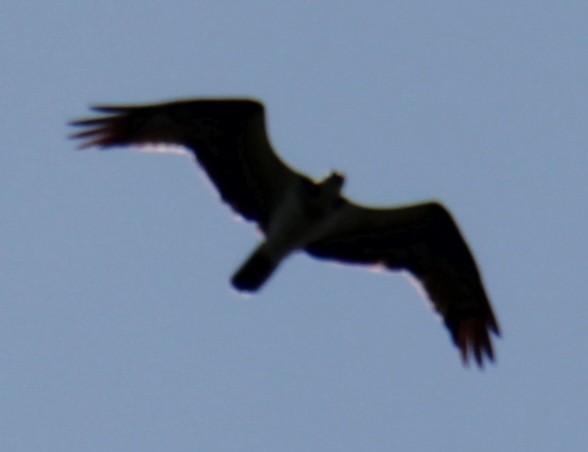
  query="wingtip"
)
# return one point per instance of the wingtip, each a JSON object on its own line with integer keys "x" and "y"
{"x": 473, "y": 339}
{"x": 89, "y": 139}
{"x": 101, "y": 132}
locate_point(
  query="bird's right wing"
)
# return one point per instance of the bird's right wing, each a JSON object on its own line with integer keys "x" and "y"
{"x": 227, "y": 136}
{"x": 424, "y": 240}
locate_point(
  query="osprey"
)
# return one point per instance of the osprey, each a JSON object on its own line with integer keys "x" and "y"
{"x": 229, "y": 139}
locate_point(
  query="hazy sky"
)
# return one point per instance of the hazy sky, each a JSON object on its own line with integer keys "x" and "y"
{"x": 119, "y": 329}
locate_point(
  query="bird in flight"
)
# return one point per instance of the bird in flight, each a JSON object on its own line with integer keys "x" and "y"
{"x": 228, "y": 138}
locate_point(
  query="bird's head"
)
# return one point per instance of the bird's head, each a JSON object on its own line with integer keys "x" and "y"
{"x": 329, "y": 189}
{"x": 334, "y": 182}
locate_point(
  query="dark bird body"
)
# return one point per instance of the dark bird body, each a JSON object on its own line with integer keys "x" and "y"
{"x": 229, "y": 139}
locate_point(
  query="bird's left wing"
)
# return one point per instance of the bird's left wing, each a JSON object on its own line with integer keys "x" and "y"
{"x": 227, "y": 136}
{"x": 424, "y": 240}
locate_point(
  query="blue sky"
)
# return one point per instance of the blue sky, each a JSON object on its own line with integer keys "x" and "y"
{"x": 119, "y": 329}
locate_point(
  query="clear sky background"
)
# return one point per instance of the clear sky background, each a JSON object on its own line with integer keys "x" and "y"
{"x": 119, "y": 330}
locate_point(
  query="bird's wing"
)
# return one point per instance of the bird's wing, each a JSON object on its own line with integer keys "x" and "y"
{"x": 424, "y": 240}
{"x": 227, "y": 136}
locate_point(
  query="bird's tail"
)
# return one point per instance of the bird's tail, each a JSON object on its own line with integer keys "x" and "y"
{"x": 255, "y": 271}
